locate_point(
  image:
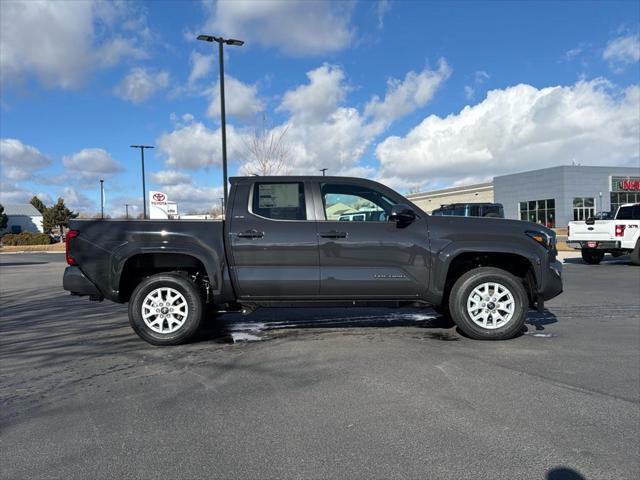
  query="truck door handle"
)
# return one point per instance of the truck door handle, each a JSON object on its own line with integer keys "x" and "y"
{"x": 251, "y": 234}
{"x": 334, "y": 234}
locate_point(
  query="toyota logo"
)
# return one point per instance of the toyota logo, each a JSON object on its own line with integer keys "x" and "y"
{"x": 159, "y": 197}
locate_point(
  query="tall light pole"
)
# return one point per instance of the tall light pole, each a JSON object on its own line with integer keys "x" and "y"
{"x": 101, "y": 198}
{"x": 144, "y": 190}
{"x": 126, "y": 209}
{"x": 323, "y": 170}
{"x": 221, "y": 41}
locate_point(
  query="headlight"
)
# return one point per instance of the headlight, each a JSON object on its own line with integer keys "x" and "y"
{"x": 542, "y": 238}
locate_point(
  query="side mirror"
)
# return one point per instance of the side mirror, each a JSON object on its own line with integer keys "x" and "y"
{"x": 402, "y": 214}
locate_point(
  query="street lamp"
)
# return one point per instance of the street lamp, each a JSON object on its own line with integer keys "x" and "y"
{"x": 126, "y": 209}
{"x": 144, "y": 190}
{"x": 101, "y": 198}
{"x": 221, "y": 41}
{"x": 323, "y": 170}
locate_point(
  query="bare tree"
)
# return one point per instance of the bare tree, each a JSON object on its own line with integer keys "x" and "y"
{"x": 266, "y": 151}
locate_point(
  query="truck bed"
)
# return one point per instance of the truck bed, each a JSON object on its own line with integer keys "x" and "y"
{"x": 108, "y": 243}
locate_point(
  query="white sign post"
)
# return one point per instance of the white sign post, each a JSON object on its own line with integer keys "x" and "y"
{"x": 158, "y": 205}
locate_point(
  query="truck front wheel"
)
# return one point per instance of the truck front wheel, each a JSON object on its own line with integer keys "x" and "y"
{"x": 166, "y": 309}
{"x": 489, "y": 304}
{"x": 592, "y": 257}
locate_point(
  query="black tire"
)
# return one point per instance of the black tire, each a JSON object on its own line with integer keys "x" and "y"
{"x": 190, "y": 322}
{"x": 635, "y": 254}
{"x": 616, "y": 254}
{"x": 592, "y": 257}
{"x": 464, "y": 287}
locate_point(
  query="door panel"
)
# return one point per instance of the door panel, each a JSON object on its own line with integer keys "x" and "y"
{"x": 362, "y": 253}
{"x": 375, "y": 259}
{"x": 273, "y": 258}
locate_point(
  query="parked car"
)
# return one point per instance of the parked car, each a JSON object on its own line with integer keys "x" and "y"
{"x": 364, "y": 216}
{"x": 495, "y": 210}
{"x": 278, "y": 247}
{"x": 602, "y": 216}
{"x": 617, "y": 236}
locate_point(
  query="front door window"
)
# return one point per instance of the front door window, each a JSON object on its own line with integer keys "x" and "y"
{"x": 353, "y": 203}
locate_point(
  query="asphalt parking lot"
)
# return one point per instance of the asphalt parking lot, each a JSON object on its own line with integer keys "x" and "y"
{"x": 366, "y": 393}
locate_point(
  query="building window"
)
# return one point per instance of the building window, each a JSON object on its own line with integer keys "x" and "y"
{"x": 624, "y": 190}
{"x": 583, "y": 208}
{"x": 539, "y": 211}
{"x": 620, "y": 198}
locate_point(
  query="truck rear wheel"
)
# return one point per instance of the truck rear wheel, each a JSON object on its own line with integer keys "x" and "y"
{"x": 489, "y": 304}
{"x": 592, "y": 257}
{"x": 635, "y": 253}
{"x": 166, "y": 309}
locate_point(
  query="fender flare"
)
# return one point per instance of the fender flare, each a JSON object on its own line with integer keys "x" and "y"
{"x": 450, "y": 252}
{"x": 209, "y": 258}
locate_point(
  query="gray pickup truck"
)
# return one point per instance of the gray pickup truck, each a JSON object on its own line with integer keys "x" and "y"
{"x": 299, "y": 242}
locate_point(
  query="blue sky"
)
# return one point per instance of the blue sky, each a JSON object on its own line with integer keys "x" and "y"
{"x": 419, "y": 95}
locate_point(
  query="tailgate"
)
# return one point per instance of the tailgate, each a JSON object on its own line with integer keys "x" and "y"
{"x": 600, "y": 230}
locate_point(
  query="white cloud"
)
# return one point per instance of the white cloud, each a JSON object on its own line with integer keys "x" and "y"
{"x": 20, "y": 161}
{"x": 521, "y": 128}
{"x": 180, "y": 187}
{"x": 139, "y": 85}
{"x": 573, "y": 53}
{"x": 479, "y": 78}
{"x": 195, "y": 146}
{"x": 171, "y": 177}
{"x": 321, "y": 133}
{"x": 241, "y": 100}
{"x": 404, "y": 97}
{"x": 201, "y": 65}
{"x": 78, "y": 201}
{"x": 622, "y": 51}
{"x": 382, "y": 8}
{"x": 90, "y": 164}
{"x": 319, "y": 98}
{"x": 194, "y": 198}
{"x": 11, "y": 192}
{"x": 469, "y": 92}
{"x": 61, "y": 42}
{"x": 311, "y": 27}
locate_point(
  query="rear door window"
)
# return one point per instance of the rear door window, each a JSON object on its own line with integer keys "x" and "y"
{"x": 279, "y": 200}
{"x": 632, "y": 212}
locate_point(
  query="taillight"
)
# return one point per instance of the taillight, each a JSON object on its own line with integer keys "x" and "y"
{"x": 620, "y": 230}
{"x": 70, "y": 234}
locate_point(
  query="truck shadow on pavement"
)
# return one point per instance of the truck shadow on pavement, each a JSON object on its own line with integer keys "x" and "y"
{"x": 623, "y": 260}
{"x": 564, "y": 473}
{"x": 234, "y": 327}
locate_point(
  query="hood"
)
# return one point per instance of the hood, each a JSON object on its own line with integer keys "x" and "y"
{"x": 489, "y": 225}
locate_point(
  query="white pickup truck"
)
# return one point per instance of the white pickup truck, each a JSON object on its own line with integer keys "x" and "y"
{"x": 619, "y": 236}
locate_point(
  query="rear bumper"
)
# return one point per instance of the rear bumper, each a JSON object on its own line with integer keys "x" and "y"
{"x": 599, "y": 245}
{"x": 77, "y": 283}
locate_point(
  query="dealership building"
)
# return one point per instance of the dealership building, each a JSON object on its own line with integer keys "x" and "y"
{"x": 550, "y": 196}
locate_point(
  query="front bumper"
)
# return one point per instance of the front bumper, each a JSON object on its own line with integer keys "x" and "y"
{"x": 77, "y": 283}
{"x": 552, "y": 286}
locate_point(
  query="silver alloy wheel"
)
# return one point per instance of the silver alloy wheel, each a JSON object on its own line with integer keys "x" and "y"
{"x": 491, "y": 305}
{"x": 164, "y": 310}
